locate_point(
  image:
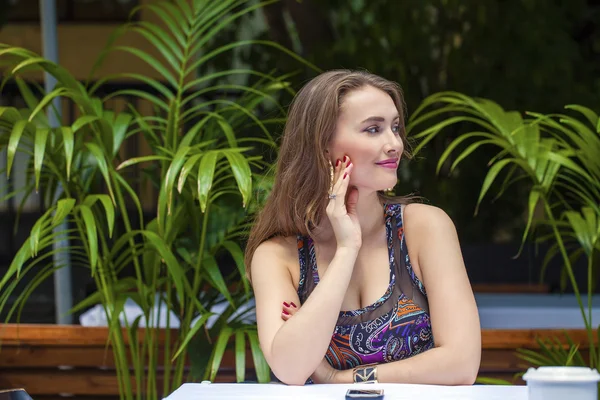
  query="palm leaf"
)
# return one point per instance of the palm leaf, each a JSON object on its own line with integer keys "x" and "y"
{"x": 200, "y": 322}
{"x": 108, "y": 207}
{"x": 41, "y": 137}
{"x": 151, "y": 61}
{"x": 591, "y": 116}
{"x": 89, "y": 222}
{"x": 20, "y": 127}
{"x": 69, "y": 145}
{"x": 206, "y": 171}
{"x": 456, "y": 142}
{"x": 101, "y": 162}
{"x": 241, "y": 172}
{"x": 238, "y": 257}
{"x": 185, "y": 134}
{"x": 211, "y": 268}
{"x": 240, "y": 356}
{"x": 186, "y": 170}
{"x": 492, "y": 381}
{"x": 260, "y": 364}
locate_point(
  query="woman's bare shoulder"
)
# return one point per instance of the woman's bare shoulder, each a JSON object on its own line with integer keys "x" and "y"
{"x": 278, "y": 246}
{"x": 422, "y": 222}
{"x": 423, "y": 217}
{"x": 277, "y": 252}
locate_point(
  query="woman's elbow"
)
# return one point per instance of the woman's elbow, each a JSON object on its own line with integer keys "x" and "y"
{"x": 466, "y": 378}
{"x": 290, "y": 378}
{"x": 295, "y": 382}
{"x": 462, "y": 365}
{"x": 468, "y": 371}
{"x": 286, "y": 370}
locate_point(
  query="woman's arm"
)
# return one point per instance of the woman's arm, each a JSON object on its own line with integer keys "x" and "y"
{"x": 295, "y": 348}
{"x": 456, "y": 357}
{"x": 438, "y": 366}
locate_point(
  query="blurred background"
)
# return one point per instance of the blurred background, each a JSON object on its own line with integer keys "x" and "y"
{"x": 526, "y": 55}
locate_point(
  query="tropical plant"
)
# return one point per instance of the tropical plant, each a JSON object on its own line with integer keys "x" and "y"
{"x": 559, "y": 155}
{"x": 206, "y": 167}
{"x": 552, "y": 351}
{"x": 431, "y": 46}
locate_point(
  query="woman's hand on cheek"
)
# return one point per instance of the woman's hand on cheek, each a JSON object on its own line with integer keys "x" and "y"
{"x": 341, "y": 209}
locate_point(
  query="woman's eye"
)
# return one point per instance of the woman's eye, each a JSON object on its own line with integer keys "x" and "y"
{"x": 372, "y": 129}
{"x": 376, "y": 129}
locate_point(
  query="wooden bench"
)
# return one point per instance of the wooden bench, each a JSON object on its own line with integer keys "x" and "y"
{"x": 50, "y": 360}
{"x": 537, "y": 288}
{"x": 499, "y": 357}
{"x": 58, "y": 361}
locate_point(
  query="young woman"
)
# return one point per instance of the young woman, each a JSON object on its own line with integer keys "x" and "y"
{"x": 352, "y": 285}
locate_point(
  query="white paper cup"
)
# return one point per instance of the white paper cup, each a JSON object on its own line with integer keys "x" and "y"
{"x": 560, "y": 383}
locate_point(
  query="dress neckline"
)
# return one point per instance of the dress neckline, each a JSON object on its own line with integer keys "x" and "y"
{"x": 392, "y": 280}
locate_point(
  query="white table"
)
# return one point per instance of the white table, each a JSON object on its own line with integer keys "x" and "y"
{"x": 238, "y": 391}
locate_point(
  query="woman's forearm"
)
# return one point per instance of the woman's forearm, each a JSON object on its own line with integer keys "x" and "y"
{"x": 438, "y": 366}
{"x": 301, "y": 343}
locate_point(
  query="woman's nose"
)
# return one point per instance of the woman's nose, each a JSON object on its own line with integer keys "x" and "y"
{"x": 394, "y": 143}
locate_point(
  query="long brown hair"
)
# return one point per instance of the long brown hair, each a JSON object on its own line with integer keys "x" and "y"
{"x": 298, "y": 198}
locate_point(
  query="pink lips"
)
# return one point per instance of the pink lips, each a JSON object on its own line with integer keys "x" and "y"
{"x": 391, "y": 163}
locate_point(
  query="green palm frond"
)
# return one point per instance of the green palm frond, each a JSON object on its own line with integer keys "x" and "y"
{"x": 206, "y": 135}
{"x": 558, "y": 154}
{"x": 553, "y": 352}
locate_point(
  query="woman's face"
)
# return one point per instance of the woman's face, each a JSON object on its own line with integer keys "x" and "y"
{"x": 367, "y": 131}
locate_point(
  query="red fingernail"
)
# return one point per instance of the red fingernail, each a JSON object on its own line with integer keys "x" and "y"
{"x": 286, "y": 304}
{"x": 285, "y": 312}
{"x": 293, "y": 305}
{"x": 345, "y": 158}
{"x": 349, "y": 164}
{"x": 337, "y": 163}
{"x": 345, "y": 175}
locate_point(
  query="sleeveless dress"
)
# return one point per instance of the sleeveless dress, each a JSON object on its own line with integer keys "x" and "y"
{"x": 395, "y": 327}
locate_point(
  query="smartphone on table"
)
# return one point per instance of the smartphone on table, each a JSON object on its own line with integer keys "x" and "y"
{"x": 364, "y": 394}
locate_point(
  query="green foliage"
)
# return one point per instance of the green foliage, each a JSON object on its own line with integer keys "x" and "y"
{"x": 205, "y": 139}
{"x": 492, "y": 381}
{"x": 558, "y": 156}
{"x": 553, "y": 352}
{"x": 550, "y": 352}
{"x": 525, "y": 54}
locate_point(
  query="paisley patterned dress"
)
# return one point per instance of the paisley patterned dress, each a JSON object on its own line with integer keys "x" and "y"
{"x": 396, "y": 326}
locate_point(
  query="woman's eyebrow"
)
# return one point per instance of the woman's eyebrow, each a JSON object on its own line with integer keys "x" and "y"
{"x": 378, "y": 119}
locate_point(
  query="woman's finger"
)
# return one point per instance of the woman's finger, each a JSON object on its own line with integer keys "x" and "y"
{"x": 341, "y": 187}
{"x": 290, "y": 307}
{"x": 288, "y": 310}
{"x": 340, "y": 171}
{"x": 337, "y": 168}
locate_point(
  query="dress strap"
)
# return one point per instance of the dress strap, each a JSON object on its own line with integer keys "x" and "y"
{"x": 302, "y": 259}
{"x": 307, "y": 283}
